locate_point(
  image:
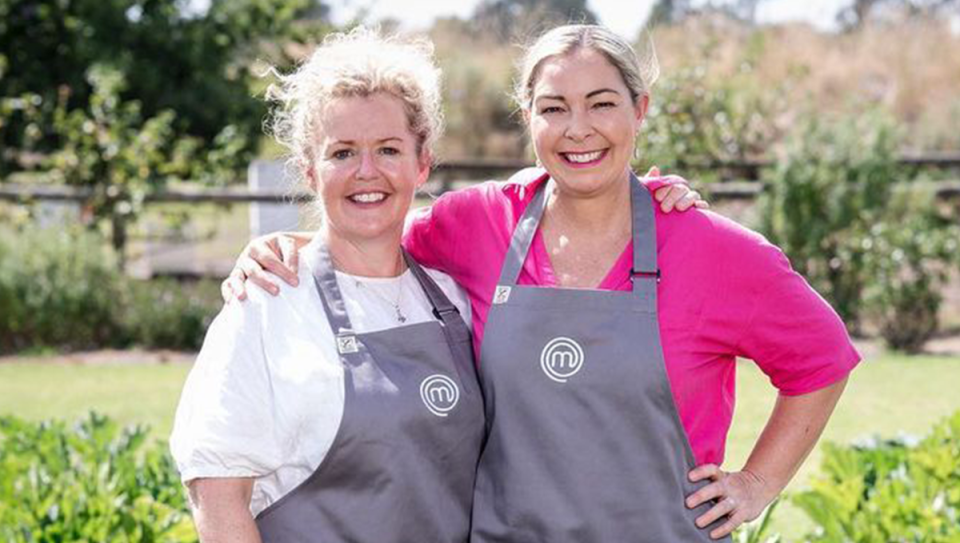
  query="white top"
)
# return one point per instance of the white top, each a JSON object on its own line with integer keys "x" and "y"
{"x": 265, "y": 396}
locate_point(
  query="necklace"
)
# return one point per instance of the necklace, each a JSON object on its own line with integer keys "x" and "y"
{"x": 398, "y": 313}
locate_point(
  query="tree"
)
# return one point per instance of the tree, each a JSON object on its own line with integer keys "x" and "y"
{"x": 114, "y": 149}
{"x": 860, "y": 11}
{"x": 195, "y": 64}
{"x": 668, "y": 12}
{"x": 509, "y": 19}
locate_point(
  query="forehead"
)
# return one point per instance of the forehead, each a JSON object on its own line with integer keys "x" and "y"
{"x": 364, "y": 118}
{"x": 577, "y": 73}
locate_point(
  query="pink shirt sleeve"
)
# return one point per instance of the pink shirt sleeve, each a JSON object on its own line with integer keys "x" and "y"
{"x": 793, "y": 334}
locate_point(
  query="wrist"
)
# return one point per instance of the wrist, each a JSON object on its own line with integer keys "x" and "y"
{"x": 768, "y": 486}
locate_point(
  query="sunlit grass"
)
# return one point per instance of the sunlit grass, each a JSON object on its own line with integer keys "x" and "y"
{"x": 887, "y": 396}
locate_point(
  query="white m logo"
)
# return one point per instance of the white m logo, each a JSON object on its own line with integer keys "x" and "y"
{"x": 561, "y": 359}
{"x": 440, "y": 394}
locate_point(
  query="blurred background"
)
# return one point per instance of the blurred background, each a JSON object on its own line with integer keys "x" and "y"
{"x": 134, "y": 167}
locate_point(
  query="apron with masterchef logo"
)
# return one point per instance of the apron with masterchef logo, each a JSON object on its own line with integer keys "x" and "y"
{"x": 402, "y": 465}
{"x": 585, "y": 443}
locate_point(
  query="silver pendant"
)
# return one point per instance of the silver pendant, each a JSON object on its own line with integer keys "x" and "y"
{"x": 401, "y": 318}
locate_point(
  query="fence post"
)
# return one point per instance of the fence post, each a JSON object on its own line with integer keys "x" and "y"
{"x": 269, "y": 175}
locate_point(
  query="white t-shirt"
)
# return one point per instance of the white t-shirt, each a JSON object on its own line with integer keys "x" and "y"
{"x": 265, "y": 396}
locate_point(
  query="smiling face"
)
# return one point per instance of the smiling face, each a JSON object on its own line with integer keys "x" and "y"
{"x": 583, "y": 122}
{"x": 366, "y": 167}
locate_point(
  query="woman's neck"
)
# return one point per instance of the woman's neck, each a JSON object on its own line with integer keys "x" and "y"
{"x": 602, "y": 213}
{"x": 380, "y": 257}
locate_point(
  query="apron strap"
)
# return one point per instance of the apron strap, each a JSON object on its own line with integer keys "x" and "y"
{"x": 523, "y": 237}
{"x": 326, "y": 282}
{"x": 454, "y": 327}
{"x": 645, "y": 274}
{"x": 352, "y": 352}
{"x": 443, "y": 308}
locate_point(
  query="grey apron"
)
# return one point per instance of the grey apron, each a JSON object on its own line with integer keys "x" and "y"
{"x": 402, "y": 465}
{"x": 585, "y": 443}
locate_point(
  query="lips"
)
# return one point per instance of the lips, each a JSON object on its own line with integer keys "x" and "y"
{"x": 585, "y": 159}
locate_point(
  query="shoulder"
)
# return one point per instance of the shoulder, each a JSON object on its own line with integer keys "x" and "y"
{"x": 518, "y": 188}
{"x": 714, "y": 236}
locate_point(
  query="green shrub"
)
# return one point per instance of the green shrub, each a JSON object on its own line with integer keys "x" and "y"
{"x": 61, "y": 288}
{"x": 697, "y": 117}
{"x": 167, "y": 314}
{"x": 859, "y": 228}
{"x": 910, "y": 253}
{"x": 894, "y": 490}
{"x": 93, "y": 483}
{"x": 57, "y": 287}
{"x": 833, "y": 183}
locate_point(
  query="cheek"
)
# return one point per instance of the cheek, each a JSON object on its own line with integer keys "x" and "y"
{"x": 541, "y": 133}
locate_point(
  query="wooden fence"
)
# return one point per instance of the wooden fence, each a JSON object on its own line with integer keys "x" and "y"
{"x": 740, "y": 181}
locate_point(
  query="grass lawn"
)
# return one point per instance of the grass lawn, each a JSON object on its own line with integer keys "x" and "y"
{"x": 887, "y": 396}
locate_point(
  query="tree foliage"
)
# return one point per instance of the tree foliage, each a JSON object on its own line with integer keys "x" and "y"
{"x": 198, "y": 65}
{"x": 510, "y": 19}
{"x": 859, "y": 228}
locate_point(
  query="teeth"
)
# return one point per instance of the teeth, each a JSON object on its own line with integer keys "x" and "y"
{"x": 368, "y": 197}
{"x": 584, "y": 157}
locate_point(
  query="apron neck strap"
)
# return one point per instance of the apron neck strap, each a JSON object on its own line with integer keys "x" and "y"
{"x": 645, "y": 274}
{"x": 443, "y": 308}
{"x": 523, "y": 237}
{"x": 325, "y": 279}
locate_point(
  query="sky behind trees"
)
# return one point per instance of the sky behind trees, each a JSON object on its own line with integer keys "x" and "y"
{"x": 623, "y": 16}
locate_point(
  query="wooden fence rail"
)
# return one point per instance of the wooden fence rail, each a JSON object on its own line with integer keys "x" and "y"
{"x": 740, "y": 181}
{"x": 733, "y": 190}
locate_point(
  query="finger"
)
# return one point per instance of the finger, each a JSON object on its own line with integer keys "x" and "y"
{"x": 706, "y": 471}
{"x": 233, "y": 287}
{"x": 676, "y": 192}
{"x": 702, "y": 204}
{"x": 688, "y": 200}
{"x": 264, "y": 280}
{"x": 226, "y": 293}
{"x": 662, "y": 193}
{"x": 270, "y": 261}
{"x": 705, "y": 494}
{"x": 249, "y": 269}
{"x": 723, "y": 508}
{"x": 734, "y": 520}
{"x": 290, "y": 256}
{"x": 654, "y": 172}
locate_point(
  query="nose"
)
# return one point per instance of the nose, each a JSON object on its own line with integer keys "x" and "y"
{"x": 368, "y": 167}
{"x": 580, "y": 127}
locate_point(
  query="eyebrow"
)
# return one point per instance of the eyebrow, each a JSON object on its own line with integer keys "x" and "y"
{"x": 590, "y": 94}
{"x": 384, "y": 140}
{"x": 600, "y": 91}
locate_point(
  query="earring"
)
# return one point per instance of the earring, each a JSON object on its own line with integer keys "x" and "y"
{"x": 539, "y": 164}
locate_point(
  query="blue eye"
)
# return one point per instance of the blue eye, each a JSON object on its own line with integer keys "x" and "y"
{"x": 389, "y": 151}
{"x": 342, "y": 154}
